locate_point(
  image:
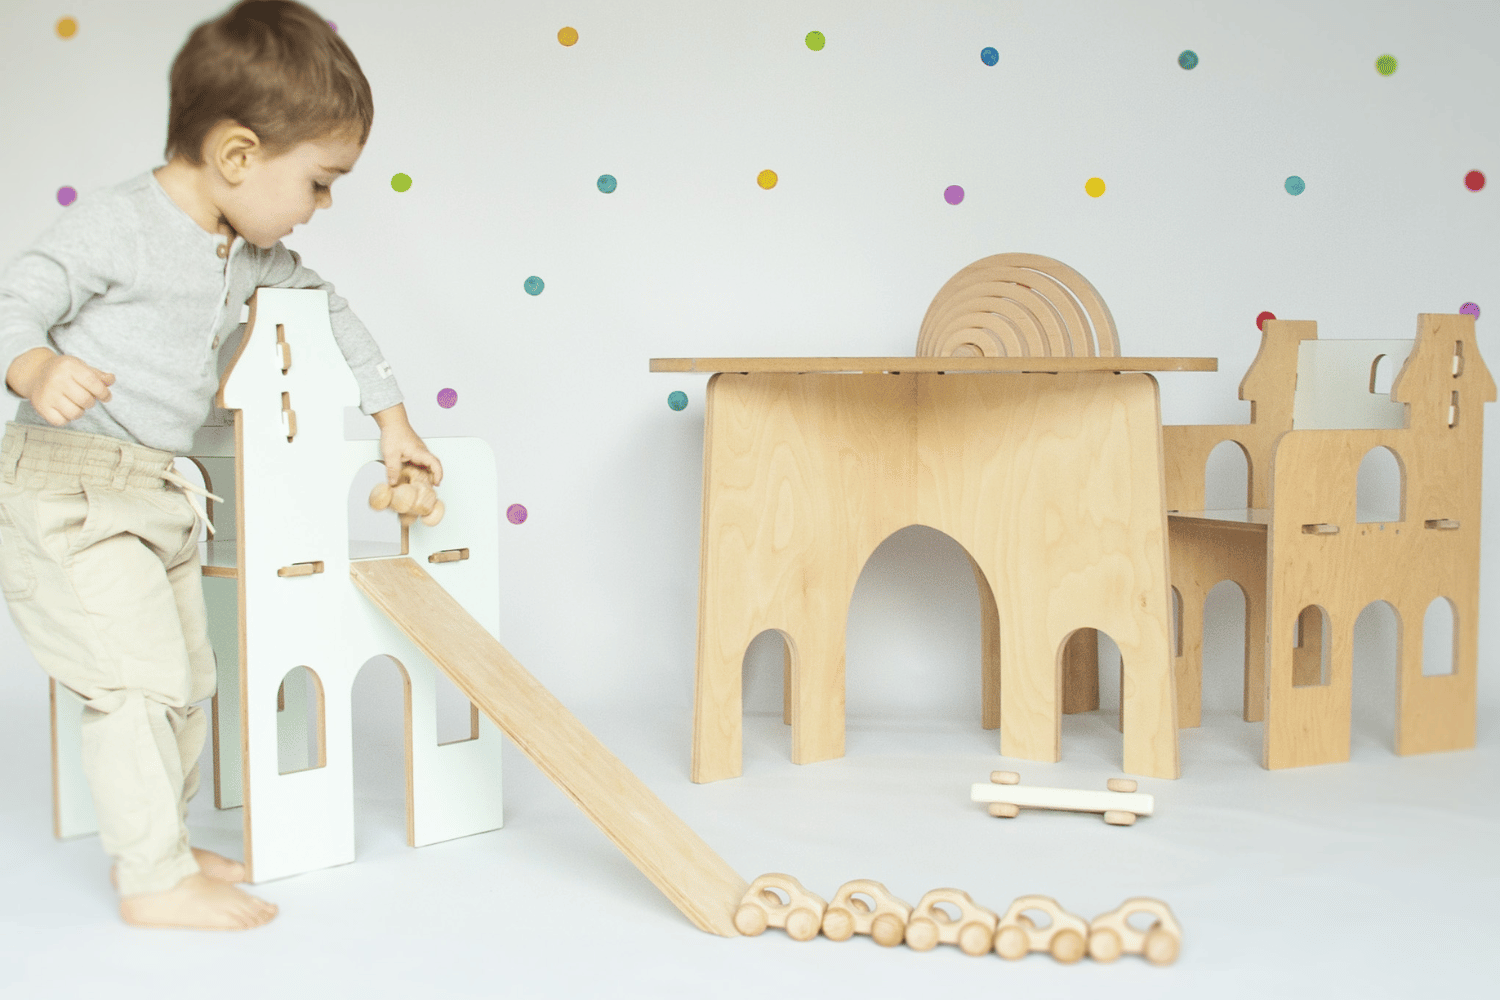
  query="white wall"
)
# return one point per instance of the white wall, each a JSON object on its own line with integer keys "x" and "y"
{"x": 504, "y": 132}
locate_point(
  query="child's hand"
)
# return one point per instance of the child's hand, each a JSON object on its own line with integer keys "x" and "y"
{"x": 59, "y": 386}
{"x": 400, "y": 445}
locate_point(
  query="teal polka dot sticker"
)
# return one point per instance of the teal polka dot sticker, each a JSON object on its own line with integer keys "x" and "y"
{"x": 534, "y": 285}
{"x": 677, "y": 400}
{"x": 1187, "y": 59}
{"x": 607, "y": 183}
{"x": 1295, "y": 185}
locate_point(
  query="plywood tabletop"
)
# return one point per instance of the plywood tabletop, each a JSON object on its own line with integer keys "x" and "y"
{"x": 945, "y": 364}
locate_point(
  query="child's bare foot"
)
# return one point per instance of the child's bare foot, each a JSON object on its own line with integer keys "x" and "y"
{"x": 197, "y": 902}
{"x": 215, "y": 866}
{"x": 219, "y": 867}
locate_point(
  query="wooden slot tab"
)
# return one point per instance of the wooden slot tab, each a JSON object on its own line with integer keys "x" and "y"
{"x": 1320, "y": 529}
{"x": 301, "y": 569}
{"x": 449, "y": 555}
{"x": 1441, "y": 524}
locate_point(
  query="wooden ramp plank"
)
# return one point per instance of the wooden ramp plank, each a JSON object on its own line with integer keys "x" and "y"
{"x": 693, "y": 877}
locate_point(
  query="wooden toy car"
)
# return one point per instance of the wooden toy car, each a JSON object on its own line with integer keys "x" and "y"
{"x": 776, "y": 900}
{"x": 1065, "y": 935}
{"x": 973, "y": 930}
{"x": 864, "y": 906}
{"x": 1112, "y": 934}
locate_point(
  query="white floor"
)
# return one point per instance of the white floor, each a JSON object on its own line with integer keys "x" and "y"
{"x": 1372, "y": 878}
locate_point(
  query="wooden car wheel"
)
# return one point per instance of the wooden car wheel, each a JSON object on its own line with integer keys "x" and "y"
{"x": 838, "y": 924}
{"x": 1104, "y": 945}
{"x": 1011, "y": 943}
{"x": 750, "y": 919}
{"x": 975, "y": 939}
{"x": 1160, "y": 947}
{"x": 802, "y": 924}
{"x": 922, "y": 934}
{"x": 887, "y": 930}
{"x": 1068, "y": 946}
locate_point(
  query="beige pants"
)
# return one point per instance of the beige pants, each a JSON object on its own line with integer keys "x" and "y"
{"x": 99, "y": 563}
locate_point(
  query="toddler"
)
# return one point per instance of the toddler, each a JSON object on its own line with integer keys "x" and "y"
{"x": 111, "y": 328}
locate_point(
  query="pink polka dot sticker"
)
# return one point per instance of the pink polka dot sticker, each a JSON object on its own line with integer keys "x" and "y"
{"x": 447, "y": 398}
{"x": 66, "y": 196}
{"x": 515, "y": 514}
{"x": 1260, "y": 321}
{"x": 1469, "y": 309}
{"x": 953, "y": 194}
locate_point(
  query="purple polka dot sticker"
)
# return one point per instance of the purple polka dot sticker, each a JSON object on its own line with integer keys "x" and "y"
{"x": 66, "y": 196}
{"x": 515, "y": 514}
{"x": 1470, "y": 309}
{"x": 953, "y": 194}
{"x": 447, "y": 398}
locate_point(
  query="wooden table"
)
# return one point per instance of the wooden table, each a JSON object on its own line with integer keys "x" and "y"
{"x": 1048, "y": 471}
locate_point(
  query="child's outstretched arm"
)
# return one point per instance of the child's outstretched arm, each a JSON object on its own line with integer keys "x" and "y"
{"x": 400, "y": 445}
{"x": 59, "y": 386}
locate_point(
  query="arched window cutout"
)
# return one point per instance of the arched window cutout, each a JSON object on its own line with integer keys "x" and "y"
{"x": 1226, "y": 477}
{"x": 457, "y": 717}
{"x": 1223, "y": 651}
{"x": 1380, "y": 496}
{"x": 301, "y": 735}
{"x": 766, "y": 669}
{"x": 1439, "y": 639}
{"x": 1382, "y": 375}
{"x": 1310, "y": 648}
{"x": 372, "y": 533}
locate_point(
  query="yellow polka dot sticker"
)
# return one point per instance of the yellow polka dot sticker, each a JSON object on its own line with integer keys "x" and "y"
{"x": 67, "y": 27}
{"x": 1094, "y": 186}
{"x": 766, "y": 179}
{"x": 568, "y": 36}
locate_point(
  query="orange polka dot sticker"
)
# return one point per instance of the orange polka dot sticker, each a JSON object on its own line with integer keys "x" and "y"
{"x": 1094, "y": 186}
{"x": 568, "y": 36}
{"x": 67, "y": 27}
{"x": 767, "y": 179}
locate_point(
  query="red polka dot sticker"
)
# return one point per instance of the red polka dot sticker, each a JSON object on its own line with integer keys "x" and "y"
{"x": 1260, "y": 321}
{"x": 1474, "y": 180}
{"x": 447, "y": 398}
{"x": 66, "y": 196}
{"x": 515, "y": 514}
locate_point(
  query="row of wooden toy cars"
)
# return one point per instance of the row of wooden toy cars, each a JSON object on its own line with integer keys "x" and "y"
{"x": 950, "y": 916}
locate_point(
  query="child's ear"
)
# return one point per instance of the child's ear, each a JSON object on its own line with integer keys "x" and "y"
{"x": 232, "y": 148}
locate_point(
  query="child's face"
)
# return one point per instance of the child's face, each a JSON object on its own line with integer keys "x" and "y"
{"x": 281, "y": 191}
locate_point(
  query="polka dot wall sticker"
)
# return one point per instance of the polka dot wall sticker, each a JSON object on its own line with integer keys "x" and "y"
{"x": 677, "y": 400}
{"x": 447, "y": 398}
{"x": 1295, "y": 185}
{"x": 534, "y": 285}
{"x": 67, "y": 27}
{"x": 815, "y": 41}
{"x": 1474, "y": 180}
{"x": 66, "y": 196}
{"x": 1094, "y": 186}
{"x": 1260, "y": 321}
{"x": 1469, "y": 309}
{"x": 953, "y": 194}
{"x": 335, "y": 27}
{"x": 1385, "y": 65}
{"x": 989, "y": 55}
{"x": 568, "y": 36}
{"x": 1187, "y": 59}
{"x": 607, "y": 183}
{"x": 515, "y": 514}
{"x": 767, "y": 179}
{"x": 400, "y": 182}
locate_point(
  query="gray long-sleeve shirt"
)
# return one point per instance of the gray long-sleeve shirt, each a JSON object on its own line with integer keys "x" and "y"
{"x": 126, "y": 281}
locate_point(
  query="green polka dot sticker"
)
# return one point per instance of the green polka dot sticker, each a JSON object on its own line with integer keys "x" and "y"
{"x": 1385, "y": 65}
{"x": 815, "y": 41}
{"x": 400, "y": 182}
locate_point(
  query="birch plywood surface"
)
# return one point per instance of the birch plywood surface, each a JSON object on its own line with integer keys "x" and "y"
{"x": 932, "y": 364}
{"x": 672, "y": 856}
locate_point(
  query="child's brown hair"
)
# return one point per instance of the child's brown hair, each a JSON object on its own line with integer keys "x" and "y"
{"x": 273, "y": 66}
